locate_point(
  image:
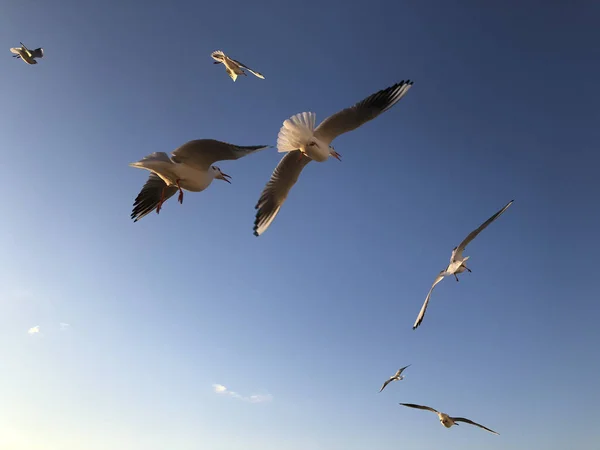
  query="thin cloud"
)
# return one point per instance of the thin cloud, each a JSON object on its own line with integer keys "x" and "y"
{"x": 255, "y": 398}
{"x": 34, "y": 330}
{"x": 64, "y": 326}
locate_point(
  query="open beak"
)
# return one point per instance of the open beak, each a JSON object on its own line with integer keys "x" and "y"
{"x": 336, "y": 155}
{"x": 224, "y": 176}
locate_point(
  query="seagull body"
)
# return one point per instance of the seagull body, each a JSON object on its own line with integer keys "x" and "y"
{"x": 396, "y": 377}
{"x": 445, "y": 419}
{"x": 302, "y": 143}
{"x": 457, "y": 261}
{"x": 27, "y": 55}
{"x": 233, "y": 67}
{"x": 189, "y": 167}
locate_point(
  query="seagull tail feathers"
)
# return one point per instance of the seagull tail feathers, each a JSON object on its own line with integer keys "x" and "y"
{"x": 296, "y": 132}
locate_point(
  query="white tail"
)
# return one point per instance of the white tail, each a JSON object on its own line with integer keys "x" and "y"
{"x": 296, "y": 132}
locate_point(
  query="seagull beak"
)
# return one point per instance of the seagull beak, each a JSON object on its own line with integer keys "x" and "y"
{"x": 336, "y": 155}
{"x": 222, "y": 176}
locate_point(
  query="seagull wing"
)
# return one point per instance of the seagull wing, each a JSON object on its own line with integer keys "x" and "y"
{"x": 149, "y": 197}
{"x": 202, "y": 153}
{"x": 351, "y": 118}
{"x": 401, "y": 370}
{"x": 16, "y": 50}
{"x": 412, "y": 405}
{"x": 462, "y": 419}
{"x": 259, "y": 75}
{"x": 277, "y": 189}
{"x": 439, "y": 278}
{"x": 457, "y": 254}
{"x": 386, "y": 383}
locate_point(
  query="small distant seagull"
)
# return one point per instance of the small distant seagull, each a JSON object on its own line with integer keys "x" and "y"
{"x": 189, "y": 167}
{"x": 396, "y": 377}
{"x": 27, "y": 55}
{"x": 302, "y": 144}
{"x": 233, "y": 67}
{"x": 457, "y": 261}
{"x": 445, "y": 419}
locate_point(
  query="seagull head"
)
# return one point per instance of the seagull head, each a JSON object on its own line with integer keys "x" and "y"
{"x": 335, "y": 154}
{"x": 218, "y": 174}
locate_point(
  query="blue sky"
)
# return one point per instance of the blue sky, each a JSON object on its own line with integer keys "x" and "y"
{"x": 316, "y": 313}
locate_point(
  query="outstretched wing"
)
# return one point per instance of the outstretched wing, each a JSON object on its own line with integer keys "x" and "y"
{"x": 462, "y": 419}
{"x": 202, "y": 153}
{"x": 149, "y": 197}
{"x": 259, "y": 75}
{"x": 277, "y": 189}
{"x": 457, "y": 253}
{"x": 367, "y": 109}
{"x": 421, "y": 315}
{"x": 386, "y": 383}
{"x": 402, "y": 370}
{"x": 412, "y": 405}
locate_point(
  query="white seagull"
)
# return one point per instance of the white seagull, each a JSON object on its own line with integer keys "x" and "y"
{"x": 189, "y": 167}
{"x": 396, "y": 377}
{"x": 27, "y": 55}
{"x": 233, "y": 67}
{"x": 445, "y": 419}
{"x": 457, "y": 261}
{"x": 302, "y": 143}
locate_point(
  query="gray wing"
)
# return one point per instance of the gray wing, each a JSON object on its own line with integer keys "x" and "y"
{"x": 386, "y": 383}
{"x": 462, "y": 419}
{"x": 412, "y": 405}
{"x": 277, "y": 189}
{"x": 351, "y": 118}
{"x": 148, "y": 198}
{"x": 421, "y": 315}
{"x": 259, "y": 75}
{"x": 402, "y": 370}
{"x": 461, "y": 247}
{"x": 202, "y": 153}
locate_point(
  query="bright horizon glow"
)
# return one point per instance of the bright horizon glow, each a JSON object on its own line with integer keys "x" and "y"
{"x": 298, "y": 328}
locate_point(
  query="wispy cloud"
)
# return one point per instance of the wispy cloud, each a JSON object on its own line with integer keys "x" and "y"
{"x": 64, "y": 326}
{"x": 255, "y": 398}
{"x": 34, "y": 330}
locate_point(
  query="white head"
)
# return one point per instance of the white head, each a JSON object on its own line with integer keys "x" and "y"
{"x": 218, "y": 174}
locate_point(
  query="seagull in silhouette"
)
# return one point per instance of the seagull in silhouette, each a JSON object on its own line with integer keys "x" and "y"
{"x": 189, "y": 167}
{"x": 303, "y": 143}
{"x": 27, "y": 55}
{"x": 396, "y": 377}
{"x": 233, "y": 67}
{"x": 457, "y": 261}
{"x": 445, "y": 419}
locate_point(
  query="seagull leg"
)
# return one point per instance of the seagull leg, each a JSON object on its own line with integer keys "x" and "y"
{"x": 301, "y": 156}
{"x": 180, "y": 198}
{"x": 468, "y": 269}
{"x": 161, "y": 201}
{"x": 456, "y": 278}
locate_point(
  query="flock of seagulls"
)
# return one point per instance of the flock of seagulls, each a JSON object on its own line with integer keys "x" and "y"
{"x": 191, "y": 167}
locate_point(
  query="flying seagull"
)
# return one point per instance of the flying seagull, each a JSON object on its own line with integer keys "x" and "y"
{"x": 27, "y": 55}
{"x": 302, "y": 143}
{"x": 445, "y": 419}
{"x": 233, "y": 67}
{"x": 396, "y": 377}
{"x": 190, "y": 167}
{"x": 457, "y": 261}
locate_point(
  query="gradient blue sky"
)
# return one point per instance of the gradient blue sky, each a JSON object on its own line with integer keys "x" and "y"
{"x": 316, "y": 313}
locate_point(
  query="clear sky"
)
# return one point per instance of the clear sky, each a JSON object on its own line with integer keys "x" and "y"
{"x": 311, "y": 317}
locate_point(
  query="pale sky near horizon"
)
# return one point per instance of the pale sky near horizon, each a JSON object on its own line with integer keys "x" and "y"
{"x": 184, "y": 331}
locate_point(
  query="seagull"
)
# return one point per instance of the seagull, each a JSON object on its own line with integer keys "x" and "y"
{"x": 27, "y": 55}
{"x": 457, "y": 261}
{"x": 445, "y": 419}
{"x": 189, "y": 167}
{"x": 396, "y": 377}
{"x": 302, "y": 143}
{"x": 233, "y": 67}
